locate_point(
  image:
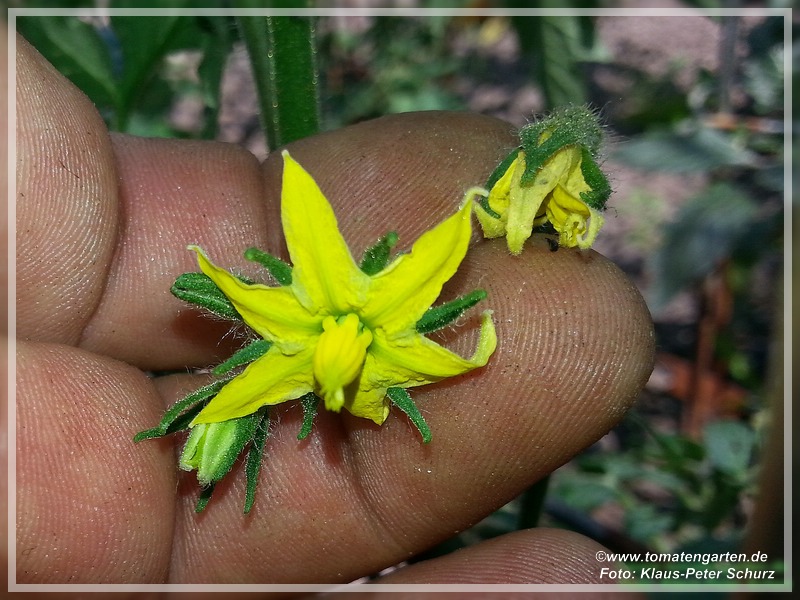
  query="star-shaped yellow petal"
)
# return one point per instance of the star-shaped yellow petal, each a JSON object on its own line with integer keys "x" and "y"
{"x": 325, "y": 276}
{"x": 336, "y": 331}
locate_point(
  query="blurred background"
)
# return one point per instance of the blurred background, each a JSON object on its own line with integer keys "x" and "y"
{"x": 693, "y": 106}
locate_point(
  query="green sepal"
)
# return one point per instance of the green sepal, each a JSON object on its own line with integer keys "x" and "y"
{"x": 212, "y": 448}
{"x": 310, "y": 403}
{"x": 173, "y": 416}
{"x": 402, "y": 400}
{"x": 569, "y": 126}
{"x": 255, "y": 456}
{"x": 437, "y": 317}
{"x": 498, "y": 172}
{"x": 183, "y": 420}
{"x": 596, "y": 179}
{"x": 204, "y": 498}
{"x": 197, "y": 288}
{"x": 249, "y": 353}
{"x": 376, "y": 257}
{"x": 280, "y": 270}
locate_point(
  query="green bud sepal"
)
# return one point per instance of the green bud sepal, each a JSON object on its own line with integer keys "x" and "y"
{"x": 212, "y": 448}
{"x": 198, "y": 289}
{"x": 551, "y": 183}
{"x": 180, "y": 414}
{"x": 438, "y": 317}
{"x": 280, "y": 270}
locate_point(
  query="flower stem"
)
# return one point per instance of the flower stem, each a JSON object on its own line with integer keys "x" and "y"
{"x": 283, "y": 56}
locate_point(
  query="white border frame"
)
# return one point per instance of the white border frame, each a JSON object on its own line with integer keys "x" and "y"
{"x": 13, "y": 586}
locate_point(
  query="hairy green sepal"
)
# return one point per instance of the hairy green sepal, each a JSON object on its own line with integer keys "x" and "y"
{"x": 569, "y": 126}
{"x": 173, "y": 419}
{"x": 255, "y": 456}
{"x": 401, "y": 399}
{"x": 198, "y": 289}
{"x": 249, "y": 353}
{"x": 596, "y": 179}
{"x": 280, "y": 270}
{"x": 438, "y": 317}
{"x": 310, "y": 404}
{"x": 377, "y": 257}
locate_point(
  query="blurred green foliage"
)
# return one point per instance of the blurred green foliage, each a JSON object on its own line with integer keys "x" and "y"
{"x": 677, "y": 493}
{"x": 673, "y": 492}
{"x": 398, "y": 64}
{"x": 122, "y": 64}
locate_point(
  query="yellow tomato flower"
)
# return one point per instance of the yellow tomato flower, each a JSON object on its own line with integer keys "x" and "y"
{"x": 336, "y": 331}
{"x": 554, "y": 195}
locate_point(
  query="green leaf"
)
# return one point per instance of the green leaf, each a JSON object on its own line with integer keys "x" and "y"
{"x": 403, "y": 401}
{"x": 199, "y": 289}
{"x": 77, "y": 50}
{"x": 729, "y": 446}
{"x": 249, "y": 353}
{"x": 705, "y": 232}
{"x": 144, "y": 42}
{"x": 644, "y": 523}
{"x": 585, "y": 494}
{"x": 692, "y": 152}
{"x": 376, "y": 257}
{"x": 437, "y": 317}
{"x": 280, "y": 270}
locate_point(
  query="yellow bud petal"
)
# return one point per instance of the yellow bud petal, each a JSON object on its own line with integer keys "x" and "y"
{"x": 339, "y": 357}
{"x": 499, "y": 198}
{"x": 595, "y": 223}
{"x": 576, "y": 223}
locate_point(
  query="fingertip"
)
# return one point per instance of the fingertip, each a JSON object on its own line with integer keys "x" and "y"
{"x": 576, "y": 339}
{"x": 533, "y": 556}
{"x": 66, "y": 205}
{"x": 87, "y": 499}
{"x": 173, "y": 192}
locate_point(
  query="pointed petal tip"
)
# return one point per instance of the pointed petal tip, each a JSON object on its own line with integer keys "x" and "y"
{"x": 471, "y": 194}
{"x": 516, "y": 240}
{"x": 487, "y": 343}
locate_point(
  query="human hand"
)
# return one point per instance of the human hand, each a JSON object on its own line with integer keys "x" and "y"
{"x": 102, "y": 226}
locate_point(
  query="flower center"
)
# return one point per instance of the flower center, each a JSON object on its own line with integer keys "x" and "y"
{"x": 339, "y": 357}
